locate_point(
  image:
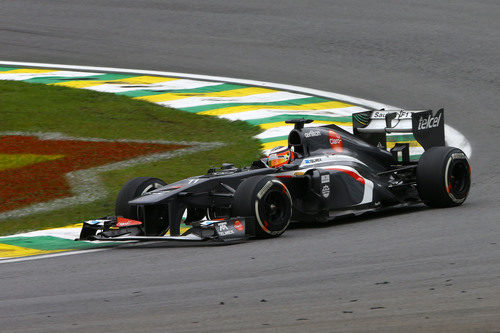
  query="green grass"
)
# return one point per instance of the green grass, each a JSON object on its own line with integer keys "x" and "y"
{"x": 84, "y": 113}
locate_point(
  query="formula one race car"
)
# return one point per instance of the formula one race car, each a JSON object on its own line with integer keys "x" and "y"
{"x": 325, "y": 172}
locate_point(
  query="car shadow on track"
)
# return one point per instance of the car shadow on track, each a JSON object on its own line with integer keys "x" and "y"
{"x": 348, "y": 219}
{"x": 174, "y": 244}
{"x": 365, "y": 217}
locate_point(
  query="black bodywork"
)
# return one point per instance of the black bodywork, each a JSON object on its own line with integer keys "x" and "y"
{"x": 334, "y": 173}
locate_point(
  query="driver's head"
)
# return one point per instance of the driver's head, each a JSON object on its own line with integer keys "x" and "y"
{"x": 279, "y": 156}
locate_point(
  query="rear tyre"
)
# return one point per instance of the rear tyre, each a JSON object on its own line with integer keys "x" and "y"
{"x": 157, "y": 221}
{"x": 268, "y": 200}
{"x": 443, "y": 177}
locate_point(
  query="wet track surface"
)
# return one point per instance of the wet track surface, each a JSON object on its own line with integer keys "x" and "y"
{"x": 417, "y": 270}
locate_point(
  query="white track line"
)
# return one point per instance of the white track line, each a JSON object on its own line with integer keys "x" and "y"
{"x": 321, "y": 93}
{"x": 27, "y": 76}
{"x": 52, "y": 255}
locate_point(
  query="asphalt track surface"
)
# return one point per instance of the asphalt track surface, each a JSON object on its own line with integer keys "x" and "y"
{"x": 420, "y": 270}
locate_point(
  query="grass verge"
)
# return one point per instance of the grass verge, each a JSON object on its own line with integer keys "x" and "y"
{"x": 83, "y": 113}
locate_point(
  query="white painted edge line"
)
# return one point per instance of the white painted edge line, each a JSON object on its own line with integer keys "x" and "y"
{"x": 336, "y": 96}
{"x": 454, "y": 137}
{"x": 61, "y": 232}
{"x": 52, "y": 255}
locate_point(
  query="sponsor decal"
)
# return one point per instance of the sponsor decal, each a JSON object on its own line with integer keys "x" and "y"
{"x": 399, "y": 114}
{"x": 223, "y": 229}
{"x": 96, "y": 222}
{"x": 312, "y": 133}
{"x": 123, "y": 222}
{"x": 327, "y": 158}
{"x": 428, "y": 129}
{"x": 429, "y": 122}
{"x": 404, "y": 115}
{"x": 325, "y": 179}
{"x": 238, "y": 225}
{"x": 264, "y": 189}
{"x": 335, "y": 141}
{"x": 312, "y": 160}
{"x": 325, "y": 191}
{"x": 458, "y": 156}
{"x": 378, "y": 115}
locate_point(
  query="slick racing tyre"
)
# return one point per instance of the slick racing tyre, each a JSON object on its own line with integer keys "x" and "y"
{"x": 268, "y": 201}
{"x": 157, "y": 221}
{"x": 443, "y": 177}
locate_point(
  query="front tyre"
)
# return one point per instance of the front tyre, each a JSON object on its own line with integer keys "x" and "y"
{"x": 443, "y": 177}
{"x": 268, "y": 200}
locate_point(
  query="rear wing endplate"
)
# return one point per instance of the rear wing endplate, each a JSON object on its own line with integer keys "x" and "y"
{"x": 374, "y": 127}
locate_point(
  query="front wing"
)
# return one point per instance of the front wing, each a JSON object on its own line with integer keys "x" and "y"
{"x": 121, "y": 229}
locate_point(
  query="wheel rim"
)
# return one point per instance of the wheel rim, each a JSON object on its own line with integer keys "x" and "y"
{"x": 274, "y": 209}
{"x": 151, "y": 188}
{"x": 273, "y": 206}
{"x": 458, "y": 180}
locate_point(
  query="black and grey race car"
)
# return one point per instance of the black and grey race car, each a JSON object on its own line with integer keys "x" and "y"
{"x": 323, "y": 173}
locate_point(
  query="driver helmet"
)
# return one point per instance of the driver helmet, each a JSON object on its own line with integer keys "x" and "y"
{"x": 279, "y": 156}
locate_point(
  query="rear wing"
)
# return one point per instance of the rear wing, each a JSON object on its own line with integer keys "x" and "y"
{"x": 400, "y": 130}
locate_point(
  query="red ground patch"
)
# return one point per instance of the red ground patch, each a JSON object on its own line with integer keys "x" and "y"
{"x": 45, "y": 181}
